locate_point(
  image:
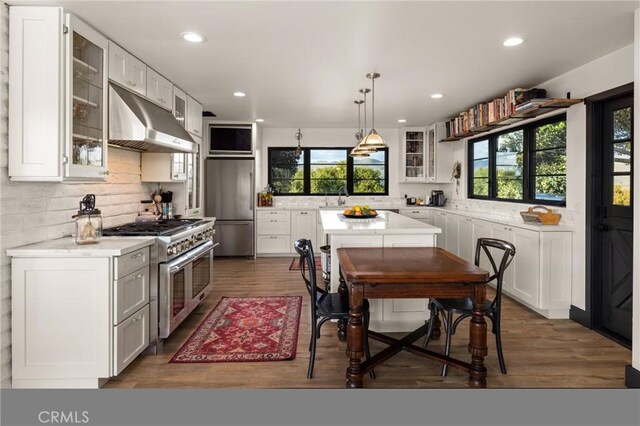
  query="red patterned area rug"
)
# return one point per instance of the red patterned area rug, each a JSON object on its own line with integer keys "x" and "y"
{"x": 295, "y": 264}
{"x": 246, "y": 329}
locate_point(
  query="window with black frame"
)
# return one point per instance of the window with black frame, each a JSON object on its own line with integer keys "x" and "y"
{"x": 523, "y": 164}
{"x": 320, "y": 171}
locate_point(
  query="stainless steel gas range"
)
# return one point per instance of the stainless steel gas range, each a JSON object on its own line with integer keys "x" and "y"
{"x": 182, "y": 269}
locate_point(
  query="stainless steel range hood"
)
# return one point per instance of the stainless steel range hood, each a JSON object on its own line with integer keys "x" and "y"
{"x": 139, "y": 124}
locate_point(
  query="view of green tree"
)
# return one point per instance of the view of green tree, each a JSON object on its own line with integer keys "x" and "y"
{"x": 367, "y": 180}
{"x": 621, "y": 195}
{"x": 286, "y": 174}
{"x": 550, "y": 159}
{"x": 509, "y": 165}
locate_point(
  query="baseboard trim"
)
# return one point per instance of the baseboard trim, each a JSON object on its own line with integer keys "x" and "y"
{"x": 580, "y": 316}
{"x": 631, "y": 377}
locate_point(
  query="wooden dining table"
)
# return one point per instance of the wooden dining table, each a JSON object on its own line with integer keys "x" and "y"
{"x": 411, "y": 272}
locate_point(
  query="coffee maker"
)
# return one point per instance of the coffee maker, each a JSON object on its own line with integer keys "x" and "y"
{"x": 437, "y": 198}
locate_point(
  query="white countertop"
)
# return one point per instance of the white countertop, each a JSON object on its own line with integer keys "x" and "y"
{"x": 333, "y": 222}
{"x": 67, "y": 247}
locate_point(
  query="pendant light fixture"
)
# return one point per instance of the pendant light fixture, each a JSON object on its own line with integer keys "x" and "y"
{"x": 358, "y": 150}
{"x": 373, "y": 139}
{"x": 359, "y": 134}
{"x": 298, "y": 150}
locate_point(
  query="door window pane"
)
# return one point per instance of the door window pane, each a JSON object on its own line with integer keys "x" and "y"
{"x": 622, "y": 124}
{"x": 622, "y": 157}
{"x": 622, "y": 190}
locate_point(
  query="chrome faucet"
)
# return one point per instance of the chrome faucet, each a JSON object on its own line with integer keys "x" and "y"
{"x": 342, "y": 202}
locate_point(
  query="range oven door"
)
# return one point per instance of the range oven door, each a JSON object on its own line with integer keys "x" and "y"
{"x": 175, "y": 293}
{"x": 201, "y": 271}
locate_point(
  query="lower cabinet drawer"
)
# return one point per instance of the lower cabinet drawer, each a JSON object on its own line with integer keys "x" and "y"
{"x": 127, "y": 263}
{"x": 272, "y": 244}
{"x": 130, "y": 338}
{"x": 274, "y": 226}
{"x": 130, "y": 293}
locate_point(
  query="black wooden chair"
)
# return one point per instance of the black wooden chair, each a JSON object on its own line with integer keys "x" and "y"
{"x": 464, "y": 306}
{"x": 325, "y": 306}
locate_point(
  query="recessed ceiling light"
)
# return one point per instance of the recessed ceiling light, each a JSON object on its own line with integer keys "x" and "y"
{"x": 402, "y": 120}
{"x": 239, "y": 94}
{"x": 512, "y": 41}
{"x": 193, "y": 37}
{"x": 437, "y": 96}
{"x": 259, "y": 120}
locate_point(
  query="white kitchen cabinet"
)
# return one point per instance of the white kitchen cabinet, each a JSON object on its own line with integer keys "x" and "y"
{"x": 466, "y": 245}
{"x": 163, "y": 167}
{"x": 159, "y": 89}
{"x": 320, "y": 239}
{"x": 273, "y": 232}
{"x": 194, "y": 117}
{"x": 61, "y": 322}
{"x": 303, "y": 225}
{"x": 413, "y": 155}
{"x": 451, "y": 233}
{"x": 131, "y": 337}
{"x": 439, "y": 154}
{"x": 440, "y": 221}
{"x": 526, "y": 266}
{"x": 179, "y": 109}
{"x": 57, "y": 125}
{"x": 539, "y": 276}
{"x": 421, "y": 214}
{"x": 78, "y": 321}
{"x": 127, "y": 70}
{"x": 194, "y": 182}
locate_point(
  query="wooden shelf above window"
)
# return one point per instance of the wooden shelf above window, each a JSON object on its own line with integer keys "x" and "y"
{"x": 543, "y": 108}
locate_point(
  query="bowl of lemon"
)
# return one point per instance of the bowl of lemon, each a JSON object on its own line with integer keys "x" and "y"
{"x": 359, "y": 212}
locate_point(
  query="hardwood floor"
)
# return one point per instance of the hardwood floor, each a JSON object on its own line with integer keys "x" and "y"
{"x": 539, "y": 353}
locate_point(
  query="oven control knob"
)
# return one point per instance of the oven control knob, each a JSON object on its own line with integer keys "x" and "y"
{"x": 175, "y": 249}
{"x": 169, "y": 250}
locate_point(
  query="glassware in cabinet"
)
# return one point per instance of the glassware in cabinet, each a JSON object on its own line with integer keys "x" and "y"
{"x": 87, "y": 96}
{"x": 413, "y": 152}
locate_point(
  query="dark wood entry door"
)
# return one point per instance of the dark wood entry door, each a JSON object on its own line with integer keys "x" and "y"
{"x": 615, "y": 227}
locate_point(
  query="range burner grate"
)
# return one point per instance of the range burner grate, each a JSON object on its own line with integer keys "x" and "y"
{"x": 159, "y": 228}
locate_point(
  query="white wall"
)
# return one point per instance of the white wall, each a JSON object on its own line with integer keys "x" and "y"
{"x": 604, "y": 73}
{"x": 33, "y": 212}
{"x": 338, "y": 137}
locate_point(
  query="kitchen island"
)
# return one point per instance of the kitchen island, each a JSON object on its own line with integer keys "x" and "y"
{"x": 388, "y": 229}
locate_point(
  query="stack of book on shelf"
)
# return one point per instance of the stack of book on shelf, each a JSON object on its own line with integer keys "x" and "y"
{"x": 531, "y": 103}
{"x": 479, "y": 117}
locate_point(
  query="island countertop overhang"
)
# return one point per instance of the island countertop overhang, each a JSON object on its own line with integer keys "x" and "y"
{"x": 385, "y": 223}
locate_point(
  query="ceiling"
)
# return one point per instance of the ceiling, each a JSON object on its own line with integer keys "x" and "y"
{"x": 302, "y": 63}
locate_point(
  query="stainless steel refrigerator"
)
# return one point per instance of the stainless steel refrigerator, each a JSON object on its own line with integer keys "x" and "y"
{"x": 230, "y": 197}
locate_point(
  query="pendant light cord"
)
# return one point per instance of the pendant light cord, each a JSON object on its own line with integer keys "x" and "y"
{"x": 373, "y": 103}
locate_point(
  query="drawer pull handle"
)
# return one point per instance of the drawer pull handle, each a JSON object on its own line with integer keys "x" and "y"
{"x": 136, "y": 277}
{"x": 135, "y": 256}
{"x": 136, "y": 319}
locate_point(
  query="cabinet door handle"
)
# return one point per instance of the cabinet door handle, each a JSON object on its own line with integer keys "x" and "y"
{"x": 136, "y": 277}
{"x": 136, "y": 319}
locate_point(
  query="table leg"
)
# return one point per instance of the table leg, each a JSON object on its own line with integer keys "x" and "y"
{"x": 354, "y": 338}
{"x": 344, "y": 292}
{"x": 478, "y": 340}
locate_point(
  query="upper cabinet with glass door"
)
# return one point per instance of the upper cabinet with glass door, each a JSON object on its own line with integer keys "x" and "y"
{"x": 86, "y": 101}
{"x": 413, "y": 161}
